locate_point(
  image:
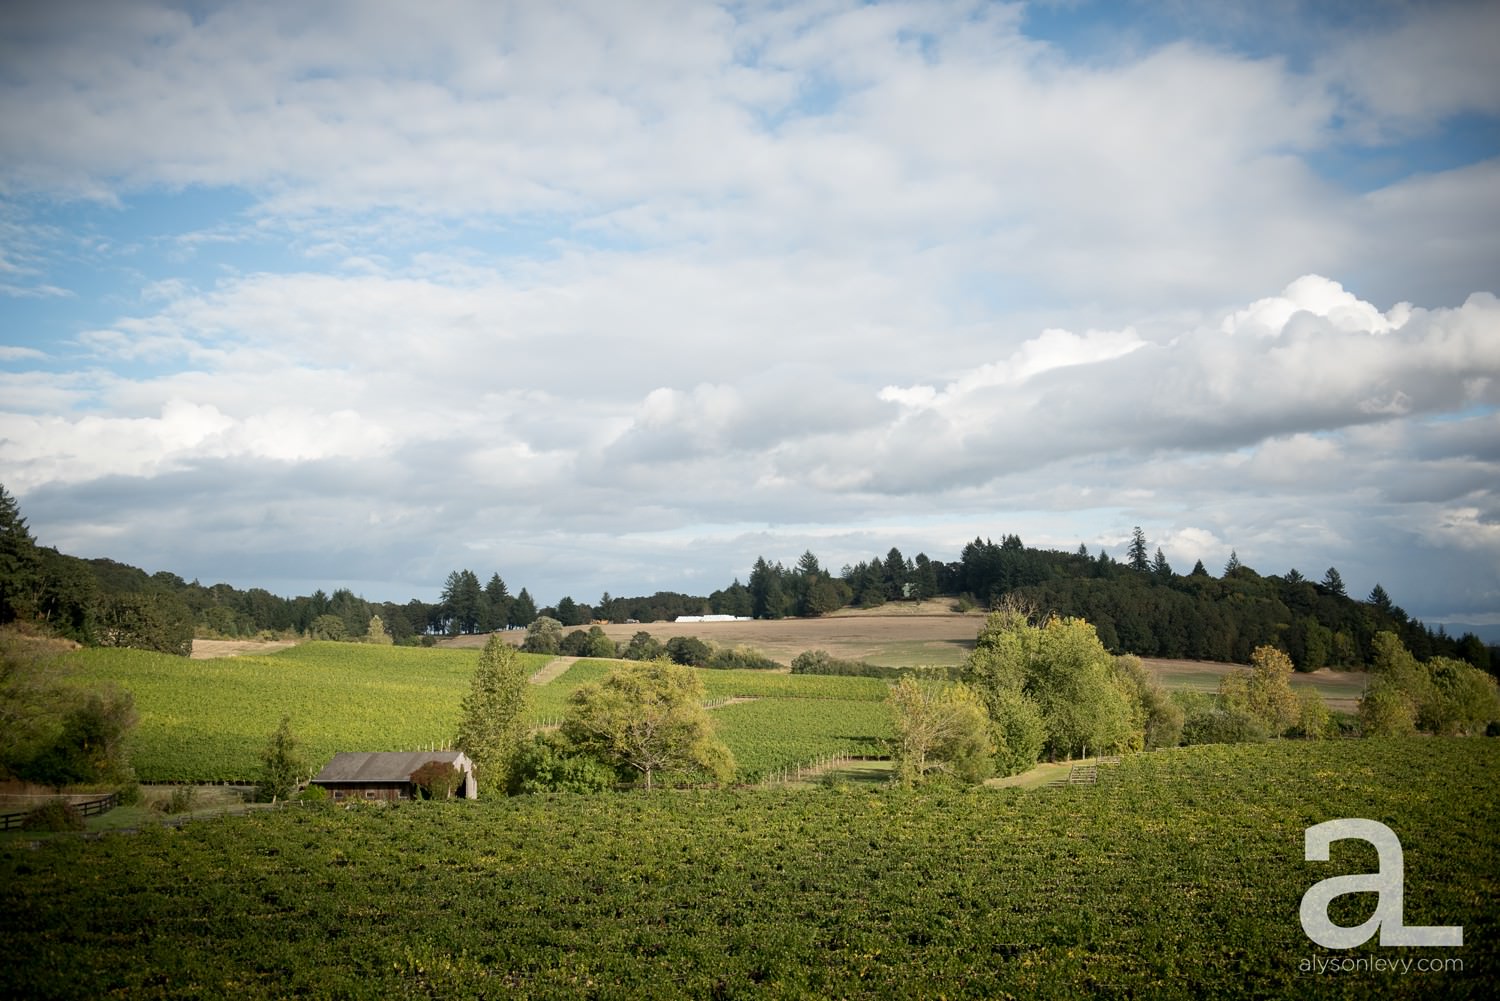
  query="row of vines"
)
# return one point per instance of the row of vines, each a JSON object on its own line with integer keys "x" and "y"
{"x": 1177, "y": 876}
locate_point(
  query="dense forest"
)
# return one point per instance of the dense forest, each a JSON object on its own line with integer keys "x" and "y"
{"x": 1138, "y": 605}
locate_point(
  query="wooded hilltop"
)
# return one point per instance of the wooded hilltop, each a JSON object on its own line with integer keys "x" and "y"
{"x": 1138, "y": 605}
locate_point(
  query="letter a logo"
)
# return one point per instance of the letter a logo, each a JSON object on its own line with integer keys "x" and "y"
{"x": 1388, "y": 883}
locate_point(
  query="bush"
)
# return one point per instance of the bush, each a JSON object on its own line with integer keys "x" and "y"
{"x": 550, "y": 764}
{"x": 742, "y": 658}
{"x": 821, "y": 662}
{"x": 1222, "y": 726}
{"x": 313, "y": 794}
{"x": 182, "y": 799}
{"x": 54, "y": 815}
{"x": 689, "y": 651}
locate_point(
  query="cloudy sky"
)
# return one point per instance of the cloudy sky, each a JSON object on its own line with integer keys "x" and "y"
{"x": 618, "y": 297}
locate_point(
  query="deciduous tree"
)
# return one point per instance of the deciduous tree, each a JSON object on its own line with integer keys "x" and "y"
{"x": 492, "y": 717}
{"x": 649, "y": 718}
{"x": 939, "y": 729}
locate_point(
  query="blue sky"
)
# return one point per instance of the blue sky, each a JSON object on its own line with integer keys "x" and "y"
{"x": 359, "y": 293}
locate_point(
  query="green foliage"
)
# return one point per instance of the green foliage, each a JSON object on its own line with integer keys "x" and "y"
{"x": 689, "y": 651}
{"x": 436, "y": 780}
{"x": 1206, "y": 722}
{"x": 207, "y": 720}
{"x": 327, "y": 627}
{"x": 544, "y": 635}
{"x": 939, "y": 730}
{"x": 740, "y": 658}
{"x": 1064, "y": 669}
{"x": 643, "y": 646}
{"x": 281, "y": 765}
{"x": 1154, "y": 715}
{"x": 821, "y": 662}
{"x": 650, "y": 718}
{"x": 89, "y": 745}
{"x": 181, "y": 800}
{"x": 1443, "y": 696}
{"x": 1313, "y": 719}
{"x": 145, "y": 621}
{"x": 53, "y": 815}
{"x": 770, "y": 735}
{"x": 375, "y": 632}
{"x": 1264, "y": 691}
{"x": 1176, "y": 877}
{"x": 549, "y": 763}
{"x": 313, "y": 794}
{"x": 1018, "y": 731}
{"x": 492, "y": 721}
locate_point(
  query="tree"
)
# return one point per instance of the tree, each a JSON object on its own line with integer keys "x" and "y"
{"x": 939, "y": 729}
{"x": 643, "y": 646}
{"x": 1064, "y": 670}
{"x": 281, "y": 766}
{"x": 498, "y": 601}
{"x": 1159, "y": 566}
{"x": 1233, "y": 564}
{"x": 19, "y": 562}
{"x": 437, "y": 780}
{"x": 1138, "y": 558}
{"x": 689, "y": 651}
{"x": 376, "y": 633}
{"x": 1264, "y": 691}
{"x": 648, "y": 718}
{"x": 327, "y": 627}
{"x": 1312, "y": 715}
{"x": 1199, "y": 570}
{"x": 146, "y": 621}
{"x": 522, "y": 610}
{"x": 1018, "y": 732}
{"x": 544, "y": 635}
{"x": 492, "y": 718}
{"x": 1334, "y": 583}
{"x": 1380, "y": 599}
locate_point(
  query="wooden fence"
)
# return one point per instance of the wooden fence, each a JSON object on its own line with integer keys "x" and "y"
{"x": 88, "y": 808}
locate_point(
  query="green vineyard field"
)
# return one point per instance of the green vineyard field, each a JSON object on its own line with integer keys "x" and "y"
{"x": 1177, "y": 876}
{"x": 207, "y": 720}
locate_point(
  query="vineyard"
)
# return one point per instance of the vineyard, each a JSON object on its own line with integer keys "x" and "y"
{"x": 207, "y": 720}
{"x": 1177, "y": 876}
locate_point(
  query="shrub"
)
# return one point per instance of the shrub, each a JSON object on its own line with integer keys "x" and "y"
{"x": 743, "y": 658}
{"x": 182, "y": 799}
{"x": 688, "y": 651}
{"x": 53, "y": 815}
{"x": 550, "y": 764}
{"x": 313, "y": 794}
{"x": 436, "y": 780}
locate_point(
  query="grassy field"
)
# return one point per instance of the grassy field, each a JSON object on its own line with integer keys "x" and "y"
{"x": 207, "y": 720}
{"x": 1177, "y": 876}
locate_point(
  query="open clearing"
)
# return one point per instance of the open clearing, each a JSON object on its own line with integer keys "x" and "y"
{"x": 209, "y": 649}
{"x": 893, "y": 635}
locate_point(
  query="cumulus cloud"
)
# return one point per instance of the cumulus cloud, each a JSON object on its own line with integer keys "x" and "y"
{"x": 601, "y": 291}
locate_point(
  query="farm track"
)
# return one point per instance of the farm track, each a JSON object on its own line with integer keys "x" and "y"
{"x": 554, "y": 669}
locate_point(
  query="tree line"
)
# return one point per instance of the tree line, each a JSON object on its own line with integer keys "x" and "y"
{"x": 1138, "y": 605}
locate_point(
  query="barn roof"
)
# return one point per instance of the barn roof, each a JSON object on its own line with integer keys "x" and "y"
{"x": 385, "y": 766}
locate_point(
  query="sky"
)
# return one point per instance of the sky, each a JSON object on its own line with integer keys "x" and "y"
{"x": 619, "y": 297}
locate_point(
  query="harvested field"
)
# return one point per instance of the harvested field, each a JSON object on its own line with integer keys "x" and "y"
{"x": 882, "y": 636}
{"x": 1341, "y": 690}
{"x": 209, "y": 649}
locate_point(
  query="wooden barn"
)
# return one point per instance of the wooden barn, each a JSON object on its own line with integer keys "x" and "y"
{"x": 387, "y": 775}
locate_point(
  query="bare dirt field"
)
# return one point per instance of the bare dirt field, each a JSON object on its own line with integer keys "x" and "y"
{"x": 208, "y": 649}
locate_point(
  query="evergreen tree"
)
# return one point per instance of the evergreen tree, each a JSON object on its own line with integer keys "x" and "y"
{"x": 1334, "y": 583}
{"x": 522, "y": 610}
{"x": 1380, "y": 599}
{"x": 19, "y": 562}
{"x": 1199, "y": 570}
{"x": 1233, "y": 564}
{"x": 1139, "y": 560}
{"x": 1159, "y": 566}
{"x": 1294, "y": 577}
